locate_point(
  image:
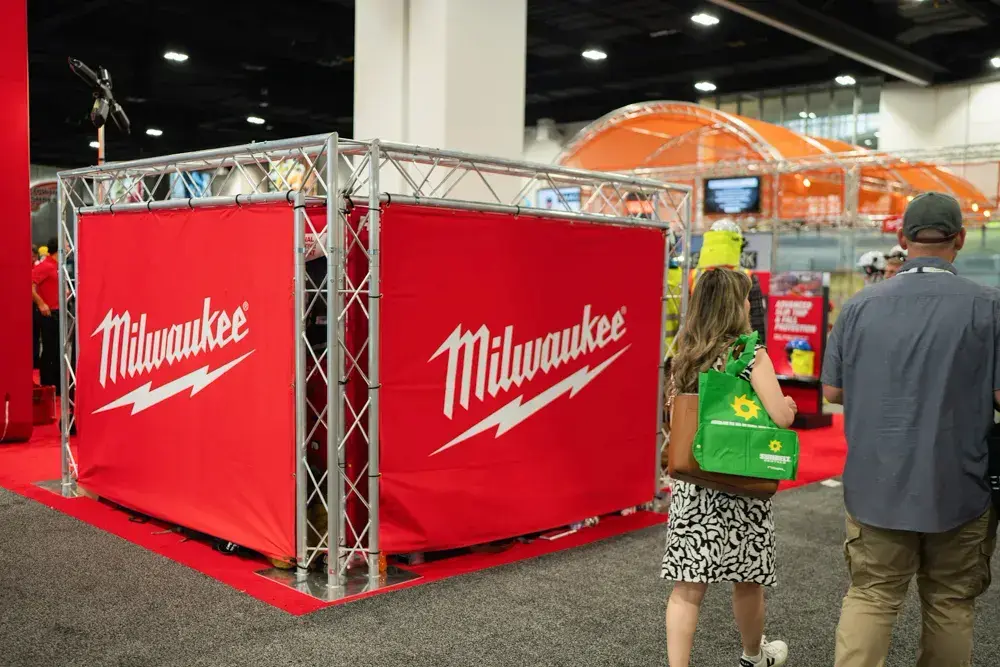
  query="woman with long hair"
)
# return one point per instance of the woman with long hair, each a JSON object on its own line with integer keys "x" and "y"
{"x": 714, "y": 536}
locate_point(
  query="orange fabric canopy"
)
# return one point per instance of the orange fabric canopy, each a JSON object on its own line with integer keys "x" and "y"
{"x": 656, "y": 135}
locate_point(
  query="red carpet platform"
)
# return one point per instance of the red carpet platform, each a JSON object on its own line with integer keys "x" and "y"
{"x": 21, "y": 466}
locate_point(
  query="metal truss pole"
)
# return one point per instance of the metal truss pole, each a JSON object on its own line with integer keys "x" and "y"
{"x": 686, "y": 278}
{"x": 334, "y": 258}
{"x": 301, "y": 431}
{"x": 661, "y": 416}
{"x": 68, "y": 485}
{"x": 374, "y": 381}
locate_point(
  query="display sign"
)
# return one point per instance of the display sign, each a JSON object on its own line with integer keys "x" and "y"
{"x": 186, "y": 370}
{"x": 732, "y": 196}
{"x": 518, "y": 384}
{"x": 796, "y": 331}
{"x": 561, "y": 199}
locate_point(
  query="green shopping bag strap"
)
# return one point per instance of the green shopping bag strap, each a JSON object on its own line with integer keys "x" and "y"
{"x": 749, "y": 342}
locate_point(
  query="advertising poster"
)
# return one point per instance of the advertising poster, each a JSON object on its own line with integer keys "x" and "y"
{"x": 512, "y": 409}
{"x": 796, "y": 331}
{"x": 185, "y": 394}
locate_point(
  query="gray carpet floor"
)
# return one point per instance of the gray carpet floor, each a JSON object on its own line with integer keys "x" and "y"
{"x": 73, "y": 595}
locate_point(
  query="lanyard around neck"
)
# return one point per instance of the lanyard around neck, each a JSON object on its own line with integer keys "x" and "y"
{"x": 924, "y": 269}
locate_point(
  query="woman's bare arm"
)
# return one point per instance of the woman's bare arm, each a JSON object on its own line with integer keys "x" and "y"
{"x": 765, "y": 383}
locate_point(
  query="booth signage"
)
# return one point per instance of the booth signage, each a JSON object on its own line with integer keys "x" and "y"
{"x": 519, "y": 362}
{"x": 796, "y": 309}
{"x": 186, "y": 369}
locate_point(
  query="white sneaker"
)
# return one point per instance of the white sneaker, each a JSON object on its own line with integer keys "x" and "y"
{"x": 772, "y": 654}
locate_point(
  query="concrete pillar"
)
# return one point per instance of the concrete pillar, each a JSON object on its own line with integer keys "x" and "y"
{"x": 441, "y": 73}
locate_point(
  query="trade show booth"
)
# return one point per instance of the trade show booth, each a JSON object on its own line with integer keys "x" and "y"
{"x": 383, "y": 355}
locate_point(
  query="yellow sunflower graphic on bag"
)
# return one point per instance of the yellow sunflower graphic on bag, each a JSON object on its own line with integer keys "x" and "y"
{"x": 745, "y": 407}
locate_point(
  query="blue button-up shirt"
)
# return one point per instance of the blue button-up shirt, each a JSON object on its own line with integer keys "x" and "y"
{"x": 917, "y": 358}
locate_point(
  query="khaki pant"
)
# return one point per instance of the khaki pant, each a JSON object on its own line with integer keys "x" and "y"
{"x": 952, "y": 570}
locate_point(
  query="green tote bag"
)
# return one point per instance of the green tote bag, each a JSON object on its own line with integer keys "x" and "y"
{"x": 735, "y": 434}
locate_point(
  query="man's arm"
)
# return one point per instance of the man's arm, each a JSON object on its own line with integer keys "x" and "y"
{"x": 833, "y": 370}
{"x": 42, "y": 306}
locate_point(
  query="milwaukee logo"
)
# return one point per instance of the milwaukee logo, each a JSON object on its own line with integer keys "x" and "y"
{"x": 480, "y": 363}
{"x": 128, "y": 350}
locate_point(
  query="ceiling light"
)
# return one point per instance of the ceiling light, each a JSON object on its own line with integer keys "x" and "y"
{"x": 845, "y": 80}
{"x": 986, "y": 214}
{"x": 94, "y": 144}
{"x": 803, "y": 114}
{"x": 705, "y": 86}
{"x": 812, "y": 115}
{"x": 909, "y": 197}
{"x": 174, "y": 56}
{"x": 806, "y": 182}
{"x": 995, "y": 61}
{"x": 594, "y": 54}
{"x": 704, "y": 19}
{"x": 975, "y": 206}
{"x": 153, "y": 132}
{"x": 878, "y": 134}
{"x": 868, "y": 142}
{"x": 255, "y": 120}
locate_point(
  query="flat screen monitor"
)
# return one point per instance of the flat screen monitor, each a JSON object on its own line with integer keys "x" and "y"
{"x": 732, "y": 196}
{"x": 563, "y": 199}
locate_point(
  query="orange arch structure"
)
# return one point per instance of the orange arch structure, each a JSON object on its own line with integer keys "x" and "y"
{"x": 683, "y": 140}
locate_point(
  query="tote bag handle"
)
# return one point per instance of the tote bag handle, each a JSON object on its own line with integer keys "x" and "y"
{"x": 749, "y": 342}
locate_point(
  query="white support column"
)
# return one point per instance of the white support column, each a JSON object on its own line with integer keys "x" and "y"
{"x": 442, "y": 73}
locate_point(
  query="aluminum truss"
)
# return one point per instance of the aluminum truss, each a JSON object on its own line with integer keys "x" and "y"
{"x": 339, "y": 189}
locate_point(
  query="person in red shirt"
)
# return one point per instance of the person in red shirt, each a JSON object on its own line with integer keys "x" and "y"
{"x": 45, "y": 294}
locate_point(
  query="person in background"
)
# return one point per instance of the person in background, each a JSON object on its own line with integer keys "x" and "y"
{"x": 914, "y": 360}
{"x": 40, "y": 254}
{"x": 45, "y": 294}
{"x": 894, "y": 261}
{"x": 714, "y": 536}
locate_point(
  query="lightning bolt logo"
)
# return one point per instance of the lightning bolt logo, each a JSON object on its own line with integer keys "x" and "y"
{"x": 515, "y": 412}
{"x": 145, "y": 397}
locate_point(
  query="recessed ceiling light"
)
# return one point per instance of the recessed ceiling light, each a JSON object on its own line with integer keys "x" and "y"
{"x": 175, "y": 56}
{"x": 845, "y": 80}
{"x": 94, "y": 144}
{"x": 705, "y": 86}
{"x": 812, "y": 115}
{"x": 255, "y": 120}
{"x": 594, "y": 54}
{"x": 701, "y": 18}
{"x": 868, "y": 142}
{"x": 995, "y": 61}
{"x": 153, "y": 132}
{"x": 803, "y": 114}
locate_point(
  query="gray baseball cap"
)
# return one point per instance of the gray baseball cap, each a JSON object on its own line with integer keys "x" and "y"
{"x": 932, "y": 210}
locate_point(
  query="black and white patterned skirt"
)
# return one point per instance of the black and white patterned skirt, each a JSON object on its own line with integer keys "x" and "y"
{"x": 714, "y": 536}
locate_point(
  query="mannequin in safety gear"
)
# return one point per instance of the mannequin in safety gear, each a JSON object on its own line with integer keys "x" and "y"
{"x": 722, "y": 246}
{"x": 872, "y": 263}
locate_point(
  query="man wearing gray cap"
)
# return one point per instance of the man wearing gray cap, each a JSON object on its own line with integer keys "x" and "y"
{"x": 916, "y": 363}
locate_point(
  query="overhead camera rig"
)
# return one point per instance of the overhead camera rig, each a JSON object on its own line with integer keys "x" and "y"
{"x": 105, "y": 103}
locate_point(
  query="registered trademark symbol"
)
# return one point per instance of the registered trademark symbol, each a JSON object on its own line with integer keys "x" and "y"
{"x": 246, "y": 306}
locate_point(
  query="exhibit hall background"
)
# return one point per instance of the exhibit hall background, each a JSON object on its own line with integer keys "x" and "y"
{"x": 15, "y": 227}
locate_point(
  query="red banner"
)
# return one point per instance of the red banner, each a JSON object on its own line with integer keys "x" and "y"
{"x": 15, "y": 228}
{"x": 186, "y": 369}
{"x": 519, "y": 364}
